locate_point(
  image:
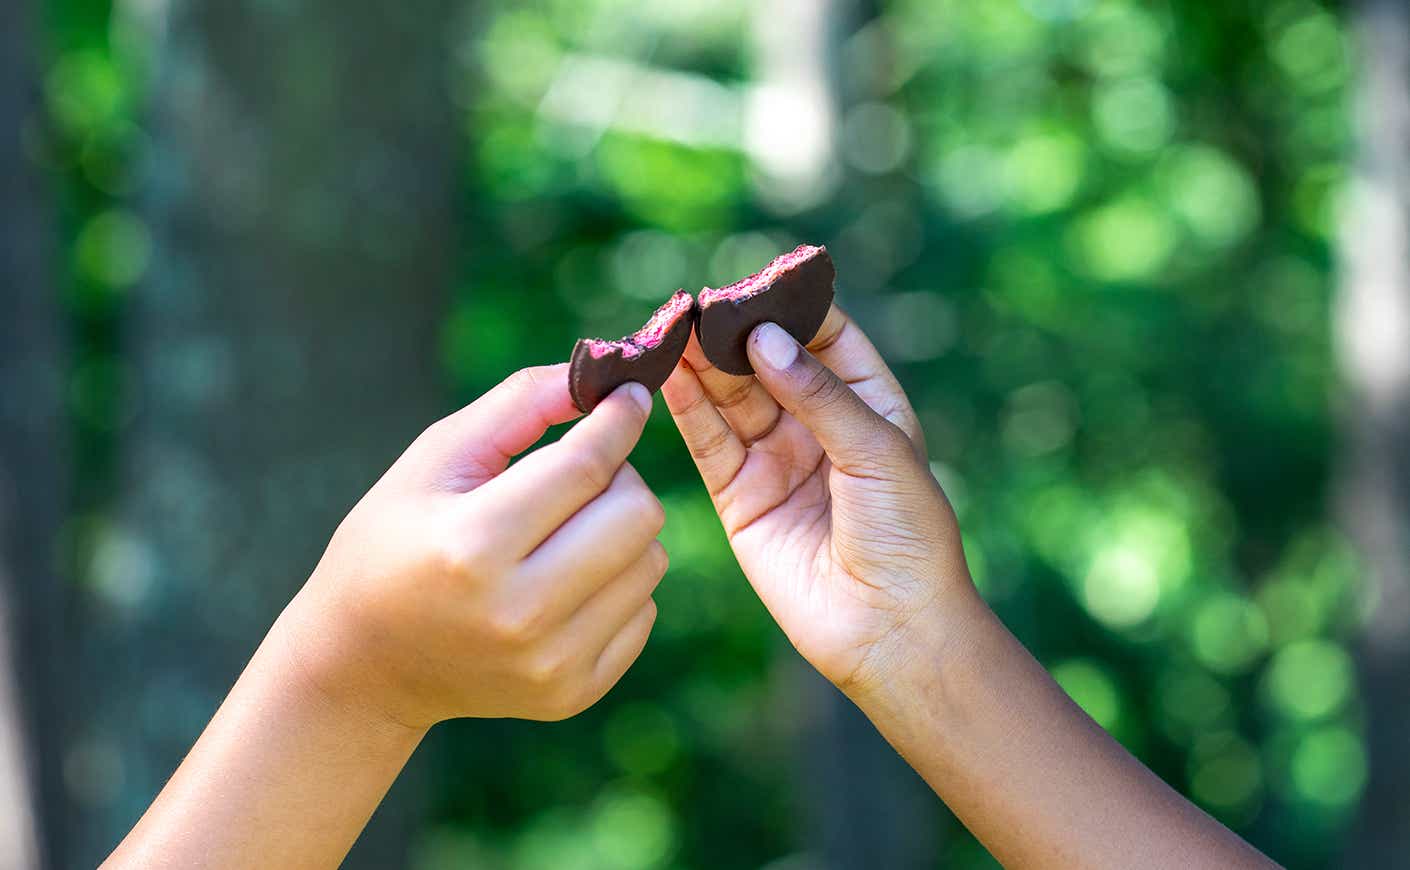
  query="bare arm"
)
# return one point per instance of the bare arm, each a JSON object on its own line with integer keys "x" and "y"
{"x": 454, "y": 588}
{"x": 816, "y": 467}
{"x": 282, "y": 777}
{"x": 1025, "y": 769}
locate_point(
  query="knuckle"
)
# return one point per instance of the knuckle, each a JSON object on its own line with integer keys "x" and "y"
{"x": 904, "y": 419}
{"x": 658, "y": 559}
{"x": 885, "y": 451}
{"x": 454, "y": 558}
{"x": 652, "y": 513}
{"x": 435, "y": 431}
{"x": 551, "y": 710}
{"x": 517, "y": 624}
{"x": 903, "y": 448}
{"x": 592, "y": 469}
{"x": 697, "y": 403}
{"x": 546, "y": 669}
{"x": 464, "y": 557}
{"x": 566, "y": 704}
{"x": 822, "y": 389}
{"x": 524, "y": 379}
{"x": 647, "y": 615}
{"x": 736, "y": 394}
{"x": 713, "y": 443}
{"x": 893, "y": 440}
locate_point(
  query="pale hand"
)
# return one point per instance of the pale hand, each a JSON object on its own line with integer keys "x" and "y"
{"x": 459, "y": 586}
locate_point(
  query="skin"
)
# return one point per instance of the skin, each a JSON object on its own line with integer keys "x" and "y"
{"x": 457, "y": 587}
{"x": 817, "y": 469}
{"x": 461, "y": 587}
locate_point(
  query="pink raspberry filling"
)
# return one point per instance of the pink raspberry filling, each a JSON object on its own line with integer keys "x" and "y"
{"x": 650, "y": 335}
{"x": 599, "y": 348}
{"x": 759, "y": 280}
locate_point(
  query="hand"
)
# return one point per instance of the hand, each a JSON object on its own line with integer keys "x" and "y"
{"x": 817, "y": 469}
{"x": 459, "y": 588}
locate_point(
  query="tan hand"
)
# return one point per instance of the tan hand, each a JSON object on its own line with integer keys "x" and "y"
{"x": 459, "y": 588}
{"x": 816, "y": 467}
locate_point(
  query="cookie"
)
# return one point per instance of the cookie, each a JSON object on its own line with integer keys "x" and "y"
{"x": 794, "y": 291}
{"x": 647, "y": 356}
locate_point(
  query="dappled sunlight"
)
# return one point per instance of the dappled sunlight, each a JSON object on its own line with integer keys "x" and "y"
{"x": 1095, "y": 239}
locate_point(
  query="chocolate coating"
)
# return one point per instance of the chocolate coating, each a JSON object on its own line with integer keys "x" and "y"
{"x": 797, "y": 300}
{"x": 592, "y": 379}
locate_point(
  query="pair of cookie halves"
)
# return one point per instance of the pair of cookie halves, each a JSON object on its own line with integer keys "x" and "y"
{"x": 794, "y": 291}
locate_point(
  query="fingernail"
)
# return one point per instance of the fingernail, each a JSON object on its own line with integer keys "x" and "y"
{"x": 777, "y": 347}
{"x": 640, "y": 395}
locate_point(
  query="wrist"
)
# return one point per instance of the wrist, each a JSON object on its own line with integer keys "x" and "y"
{"x": 284, "y": 774}
{"x": 315, "y": 667}
{"x": 922, "y": 660}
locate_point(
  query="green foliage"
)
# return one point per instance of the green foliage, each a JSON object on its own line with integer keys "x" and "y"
{"x": 90, "y": 141}
{"x": 1093, "y": 236}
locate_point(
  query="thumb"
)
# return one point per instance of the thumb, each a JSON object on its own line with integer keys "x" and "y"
{"x": 857, "y": 439}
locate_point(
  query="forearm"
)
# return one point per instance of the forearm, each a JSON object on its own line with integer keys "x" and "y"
{"x": 457, "y": 587}
{"x": 1035, "y": 779}
{"x": 283, "y": 776}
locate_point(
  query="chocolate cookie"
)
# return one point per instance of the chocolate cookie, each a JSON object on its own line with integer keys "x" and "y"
{"x": 794, "y": 291}
{"x": 647, "y": 356}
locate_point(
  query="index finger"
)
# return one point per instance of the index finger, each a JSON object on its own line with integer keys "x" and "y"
{"x": 841, "y": 345}
{"x": 538, "y": 494}
{"x": 476, "y": 443}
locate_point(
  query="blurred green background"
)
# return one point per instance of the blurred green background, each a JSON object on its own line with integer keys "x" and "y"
{"x": 1096, "y": 239}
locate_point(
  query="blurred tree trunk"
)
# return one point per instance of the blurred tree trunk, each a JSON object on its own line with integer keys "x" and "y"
{"x": 866, "y": 808}
{"x": 283, "y": 352}
{"x": 1374, "y": 347}
{"x": 31, "y": 481}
